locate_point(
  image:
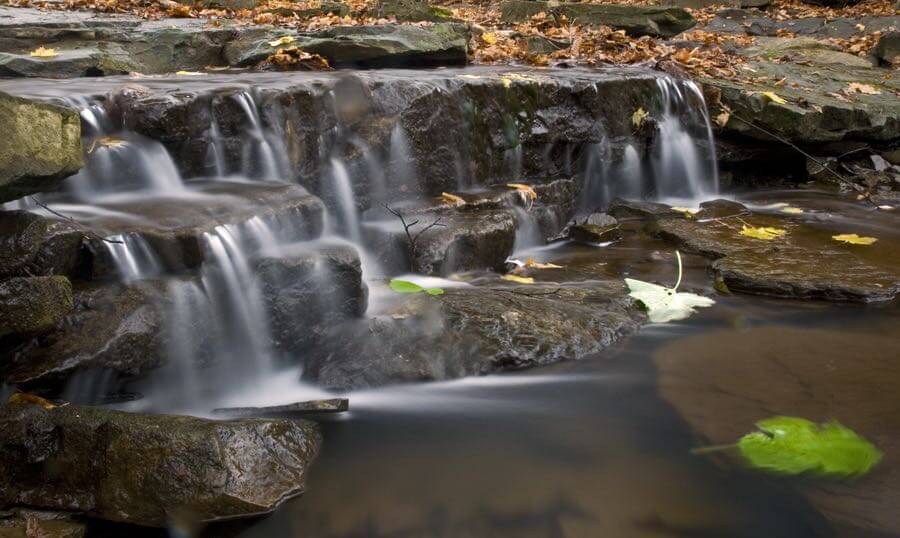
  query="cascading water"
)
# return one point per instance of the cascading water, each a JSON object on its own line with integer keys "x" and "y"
{"x": 259, "y": 159}
{"x": 133, "y": 257}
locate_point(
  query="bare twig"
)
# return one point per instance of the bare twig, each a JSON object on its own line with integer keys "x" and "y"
{"x": 526, "y": 294}
{"x": 67, "y": 218}
{"x": 407, "y": 225}
{"x": 824, "y": 166}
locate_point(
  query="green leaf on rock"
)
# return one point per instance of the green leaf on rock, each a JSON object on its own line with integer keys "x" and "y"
{"x": 791, "y": 445}
{"x": 405, "y": 286}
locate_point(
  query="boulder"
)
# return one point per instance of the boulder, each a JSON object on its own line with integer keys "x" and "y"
{"x": 32, "y": 244}
{"x": 306, "y": 289}
{"x": 804, "y": 264}
{"x": 143, "y": 469}
{"x": 412, "y": 11}
{"x": 475, "y": 330}
{"x": 41, "y": 147}
{"x": 657, "y": 21}
{"x": 596, "y": 228}
{"x": 756, "y": 23}
{"x": 116, "y": 328}
{"x": 466, "y": 241}
{"x": 33, "y": 305}
{"x": 887, "y": 50}
{"x": 722, "y": 382}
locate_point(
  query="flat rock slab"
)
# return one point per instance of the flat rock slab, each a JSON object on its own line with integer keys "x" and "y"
{"x": 476, "y": 330}
{"x": 756, "y": 23}
{"x": 723, "y": 382}
{"x": 657, "y": 21}
{"x": 141, "y": 469}
{"x": 41, "y": 146}
{"x": 805, "y": 264}
{"x": 334, "y": 405}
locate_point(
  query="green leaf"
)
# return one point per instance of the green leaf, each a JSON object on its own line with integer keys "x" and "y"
{"x": 666, "y": 304}
{"x": 405, "y": 286}
{"x": 791, "y": 445}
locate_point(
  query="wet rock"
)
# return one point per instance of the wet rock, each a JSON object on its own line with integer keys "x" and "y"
{"x": 41, "y": 147}
{"x": 308, "y": 289}
{"x": 32, "y": 244}
{"x": 333, "y": 405}
{"x": 391, "y": 45}
{"x": 324, "y": 8}
{"x": 806, "y": 263}
{"x": 757, "y": 23}
{"x": 542, "y": 45}
{"x": 658, "y": 21}
{"x": 466, "y": 241}
{"x": 639, "y": 209}
{"x": 412, "y": 11}
{"x": 116, "y": 328}
{"x": 596, "y": 228}
{"x": 748, "y": 375}
{"x": 105, "y": 59}
{"x": 476, "y": 331}
{"x": 887, "y": 50}
{"x": 144, "y": 468}
{"x": 32, "y": 305}
{"x": 24, "y": 523}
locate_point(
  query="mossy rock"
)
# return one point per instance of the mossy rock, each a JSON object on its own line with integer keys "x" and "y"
{"x": 32, "y": 305}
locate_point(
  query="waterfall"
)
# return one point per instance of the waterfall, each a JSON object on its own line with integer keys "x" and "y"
{"x": 133, "y": 257}
{"x": 342, "y": 188}
{"x": 400, "y": 160}
{"x": 258, "y": 158}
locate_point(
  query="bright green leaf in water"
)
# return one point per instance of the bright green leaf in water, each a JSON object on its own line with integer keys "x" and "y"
{"x": 666, "y": 304}
{"x": 405, "y": 286}
{"x": 791, "y": 445}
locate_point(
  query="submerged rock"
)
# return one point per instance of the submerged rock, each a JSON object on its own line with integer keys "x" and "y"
{"x": 806, "y": 263}
{"x": 657, "y": 21}
{"x": 143, "y": 469}
{"x": 476, "y": 330}
{"x": 33, "y": 305}
{"x": 596, "y": 228}
{"x": 723, "y": 382}
{"x": 41, "y": 146}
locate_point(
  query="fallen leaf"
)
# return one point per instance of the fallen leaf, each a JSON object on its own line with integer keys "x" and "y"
{"x": 765, "y": 232}
{"x": 854, "y": 239}
{"x": 666, "y": 304}
{"x": 44, "y": 52}
{"x": 531, "y": 263}
{"x": 527, "y": 191}
{"x": 405, "y": 286}
{"x": 886, "y": 207}
{"x": 452, "y": 199}
{"x": 638, "y": 117}
{"x": 489, "y": 38}
{"x": 518, "y": 279}
{"x": 23, "y": 398}
{"x": 772, "y": 96}
{"x": 688, "y": 212}
{"x": 189, "y": 73}
{"x": 856, "y": 87}
{"x": 791, "y": 210}
{"x": 792, "y": 445}
{"x": 283, "y": 40}
{"x": 722, "y": 119}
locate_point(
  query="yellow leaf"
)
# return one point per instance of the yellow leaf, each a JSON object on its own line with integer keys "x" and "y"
{"x": 283, "y": 40}
{"x": 111, "y": 142}
{"x": 722, "y": 119}
{"x": 791, "y": 210}
{"x": 766, "y": 233}
{"x": 42, "y": 52}
{"x": 23, "y": 398}
{"x": 527, "y": 190}
{"x": 519, "y": 279}
{"x": 854, "y": 239}
{"x": 489, "y": 38}
{"x": 856, "y": 87}
{"x": 638, "y": 117}
{"x": 688, "y": 212}
{"x": 772, "y": 96}
{"x": 189, "y": 73}
{"x": 530, "y": 262}
{"x": 452, "y": 199}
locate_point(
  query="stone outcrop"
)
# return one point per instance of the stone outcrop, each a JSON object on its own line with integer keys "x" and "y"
{"x": 33, "y": 305}
{"x": 142, "y": 469}
{"x": 887, "y": 50}
{"x": 657, "y": 21}
{"x": 41, "y": 146}
{"x": 32, "y": 244}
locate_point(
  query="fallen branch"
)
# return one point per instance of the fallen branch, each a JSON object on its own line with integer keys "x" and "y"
{"x": 407, "y": 225}
{"x": 526, "y": 294}
{"x": 67, "y": 218}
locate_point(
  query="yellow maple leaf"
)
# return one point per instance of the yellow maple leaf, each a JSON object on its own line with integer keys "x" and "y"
{"x": 856, "y": 87}
{"x": 772, "y": 96}
{"x": 531, "y": 262}
{"x": 44, "y": 52}
{"x": 688, "y": 212}
{"x": 189, "y": 73}
{"x": 23, "y": 398}
{"x": 791, "y": 210}
{"x": 518, "y": 279}
{"x": 452, "y": 199}
{"x": 639, "y": 116}
{"x": 722, "y": 119}
{"x": 489, "y": 37}
{"x": 854, "y": 239}
{"x": 527, "y": 190}
{"x": 283, "y": 40}
{"x": 764, "y": 232}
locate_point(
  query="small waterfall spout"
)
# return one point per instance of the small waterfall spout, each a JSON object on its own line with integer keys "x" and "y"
{"x": 259, "y": 158}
